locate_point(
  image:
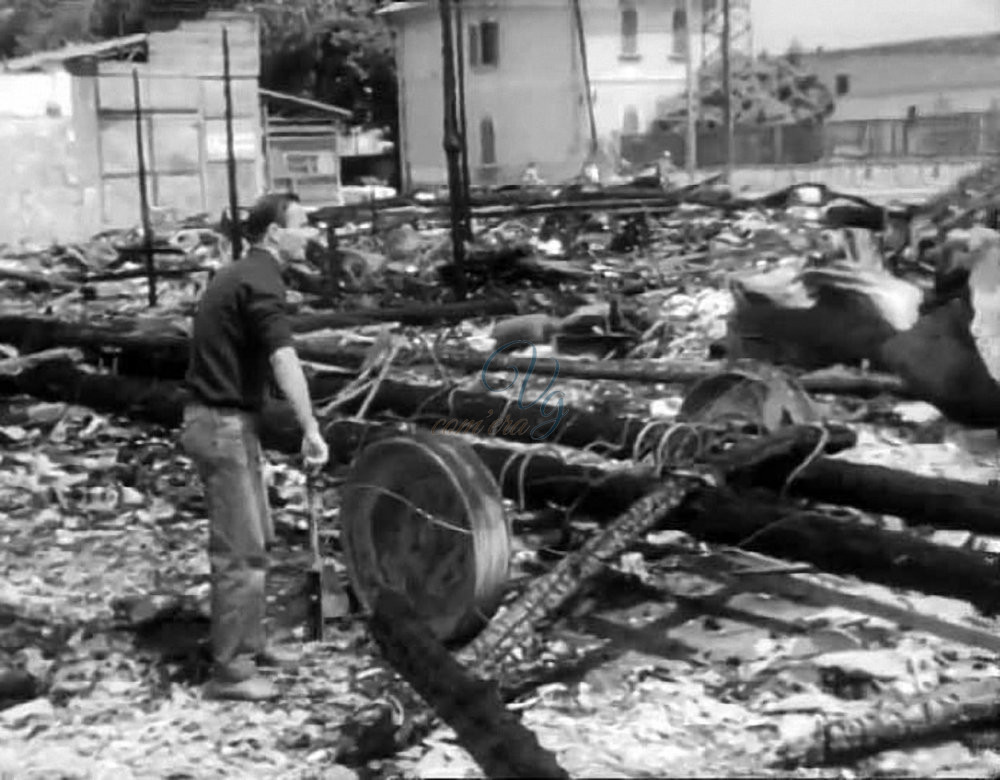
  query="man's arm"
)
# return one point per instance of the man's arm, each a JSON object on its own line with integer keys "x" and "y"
{"x": 292, "y": 381}
{"x": 265, "y": 307}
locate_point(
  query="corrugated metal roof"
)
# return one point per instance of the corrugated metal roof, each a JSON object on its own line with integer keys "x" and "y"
{"x": 72, "y": 52}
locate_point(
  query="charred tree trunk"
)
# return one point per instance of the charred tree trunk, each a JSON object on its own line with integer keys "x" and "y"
{"x": 842, "y": 545}
{"x": 494, "y": 736}
{"x": 920, "y": 500}
{"x": 599, "y": 488}
{"x": 894, "y": 723}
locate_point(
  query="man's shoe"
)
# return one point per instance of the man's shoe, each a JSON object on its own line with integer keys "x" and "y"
{"x": 273, "y": 658}
{"x": 252, "y": 689}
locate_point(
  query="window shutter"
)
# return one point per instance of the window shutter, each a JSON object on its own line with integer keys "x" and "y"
{"x": 474, "y": 58}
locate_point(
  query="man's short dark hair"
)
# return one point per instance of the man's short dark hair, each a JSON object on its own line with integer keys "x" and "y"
{"x": 268, "y": 208}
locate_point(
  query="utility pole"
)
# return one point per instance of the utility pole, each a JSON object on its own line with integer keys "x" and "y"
{"x": 691, "y": 150}
{"x": 147, "y": 229}
{"x": 453, "y": 148}
{"x": 462, "y": 122}
{"x": 582, "y": 42}
{"x": 727, "y": 99}
{"x": 236, "y": 236}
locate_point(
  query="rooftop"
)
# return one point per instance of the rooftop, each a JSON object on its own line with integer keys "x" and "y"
{"x": 967, "y": 45}
{"x": 72, "y": 52}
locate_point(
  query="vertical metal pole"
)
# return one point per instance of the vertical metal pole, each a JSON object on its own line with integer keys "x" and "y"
{"x": 582, "y": 41}
{"x": 691, "y": 151}
{"x": 463, "y": 127}
{"x": 147, "y": 230}
{"x": 452, "y": 148}
{"x": 727, "y": 98}
{"x": 234, "y": 201}
{"x": 266, "y": 129}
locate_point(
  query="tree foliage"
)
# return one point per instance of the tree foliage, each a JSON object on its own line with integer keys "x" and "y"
{"x": 337, "y": 51}
{"x": 765, "y": 91}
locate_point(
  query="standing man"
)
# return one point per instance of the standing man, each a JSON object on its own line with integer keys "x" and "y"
{"x": 665, "y": 168}
{"x": 530, "y": 177}
{"x": 241, "y": 338}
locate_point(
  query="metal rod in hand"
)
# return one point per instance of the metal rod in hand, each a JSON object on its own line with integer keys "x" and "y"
{"x": 147, "y": 230}
{"x": 452, "y": 148}
{"x": 234, "y": 200}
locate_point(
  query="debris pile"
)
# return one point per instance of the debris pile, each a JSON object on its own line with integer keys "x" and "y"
{"x": 715, "y": 564}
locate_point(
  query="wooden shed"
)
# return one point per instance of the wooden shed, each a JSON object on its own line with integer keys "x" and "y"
{"x": 73, "y": 158}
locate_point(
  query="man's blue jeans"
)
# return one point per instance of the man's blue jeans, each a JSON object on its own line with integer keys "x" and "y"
{"x": 225, "y": 447}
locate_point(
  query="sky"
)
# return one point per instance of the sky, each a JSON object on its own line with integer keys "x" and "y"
{"x": 845, "y": 23}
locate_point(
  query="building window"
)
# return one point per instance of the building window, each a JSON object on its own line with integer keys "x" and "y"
{"x": 630, "y": 31}
{"x": 484, "y": 44}
{"x": 708, "y": 7}
{"x": 302, "y": 164}
{"x": 487, "y": 143}
{"x": 630, "y": 122}
{"x": 680, "y": 42}
{"x": 842, "y": 84}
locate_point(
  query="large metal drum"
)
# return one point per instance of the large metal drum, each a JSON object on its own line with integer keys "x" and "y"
{"x": 423, "y": 515}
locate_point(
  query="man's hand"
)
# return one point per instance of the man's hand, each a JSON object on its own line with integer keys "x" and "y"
{"x": 292, "y": 381}
{"x": 314, "y": 448}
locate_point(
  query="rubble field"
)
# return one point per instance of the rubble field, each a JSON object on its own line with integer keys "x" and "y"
{"x": 820, "y": 605}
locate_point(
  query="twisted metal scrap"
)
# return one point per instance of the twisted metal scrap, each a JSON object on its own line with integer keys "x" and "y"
{"x": 515, "y": 626}
{"x": 494, "y": 654}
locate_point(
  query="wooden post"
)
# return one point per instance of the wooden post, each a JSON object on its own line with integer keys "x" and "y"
{"x": 727, "y": 99}
{"x": 462, "y": 123}
{"x": 234, "y": 201}
{"x": 453, "y": 148}
{"x": 147, "y": 229}
{"x": 691, "y": 152}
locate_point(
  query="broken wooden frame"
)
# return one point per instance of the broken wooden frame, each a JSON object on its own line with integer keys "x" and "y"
{"x": 147, "y": 228}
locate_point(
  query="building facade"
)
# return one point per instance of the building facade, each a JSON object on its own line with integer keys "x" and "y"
{"x": 914, "y": 78}
{"x": 525, "y": 89}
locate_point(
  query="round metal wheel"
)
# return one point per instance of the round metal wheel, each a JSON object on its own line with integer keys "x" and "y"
{"x": 422, "y": 515}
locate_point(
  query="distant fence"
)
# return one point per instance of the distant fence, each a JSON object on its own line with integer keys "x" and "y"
{"x": 951, "y": 135}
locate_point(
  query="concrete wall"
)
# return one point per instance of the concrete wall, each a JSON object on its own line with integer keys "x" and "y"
{"x": 880, "y": 181}
{"x": 47, "y": 143}
{"x": 535, "y": 96}
{"x": 643, "y": 82}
